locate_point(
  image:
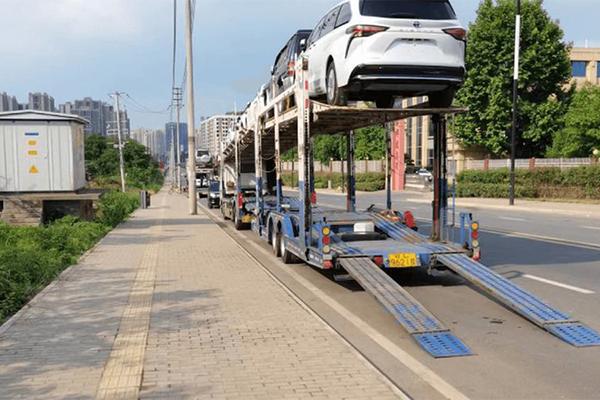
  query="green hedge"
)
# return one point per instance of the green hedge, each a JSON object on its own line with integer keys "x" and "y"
{"x": 32, "y": 257}
{"x": 366, "y": 182}
{"x": 550, "y": 183}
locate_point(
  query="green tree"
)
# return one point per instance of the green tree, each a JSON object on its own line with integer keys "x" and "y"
{"x": 545, "y": 70}
{"x": 370, "y": 143}
{"x": 329, "y": 147}
{"x": 581, "y": 134}
{"x": 102, "y": 161}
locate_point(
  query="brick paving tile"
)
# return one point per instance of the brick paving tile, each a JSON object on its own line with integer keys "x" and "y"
{"x": 216, "y": 326}
{"x": 216, "y": 312}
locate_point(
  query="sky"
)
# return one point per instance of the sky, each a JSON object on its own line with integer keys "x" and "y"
{"x": 78, "y": 48}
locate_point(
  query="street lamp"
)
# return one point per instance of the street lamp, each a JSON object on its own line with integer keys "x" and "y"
{"x": 513, "y": 140}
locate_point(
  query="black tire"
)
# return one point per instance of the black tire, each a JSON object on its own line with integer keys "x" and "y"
{"x": 385, "y": 101}
{"x": 276, "y": 242}
{"x": 236, "y": 222}
{"x": 335, "y": 95}
{"x": 286, "y": 256}
{"x": 442, "y": 99}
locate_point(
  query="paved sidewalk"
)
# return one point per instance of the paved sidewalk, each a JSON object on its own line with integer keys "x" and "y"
{"x": 168, "y": 306}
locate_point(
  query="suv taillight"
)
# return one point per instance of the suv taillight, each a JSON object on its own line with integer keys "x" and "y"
{"x": 457, "y": 33}
{"x": 366, "y": 30}
{"x": 291, "y": 68}
{"x": 240, "y": 201}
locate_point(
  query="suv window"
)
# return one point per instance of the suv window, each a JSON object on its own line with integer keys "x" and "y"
{"x": 329, "y": 24}
{"x": 419, "y": 9}
{"x": 316, "y": 33}
{"x": 345, "y": 15}
{"x": 281, "y": 62}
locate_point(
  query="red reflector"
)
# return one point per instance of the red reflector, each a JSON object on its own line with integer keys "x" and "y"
{"x": 313, "y": 198}
{"x": 305, "y": 85}
{"x": 328, "y": 264}
{"x": 240, "y": 200}
{"x": 378, "y": 260}
{"x": 409, "y": 220}
{"x": 457, "y": 33}
{"x": 326, "y": 240}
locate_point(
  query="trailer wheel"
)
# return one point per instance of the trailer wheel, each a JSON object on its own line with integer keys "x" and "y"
{"x": 236, "y": 222}
{"x": 286, "y": 256}
{"x": 276, "y": 242}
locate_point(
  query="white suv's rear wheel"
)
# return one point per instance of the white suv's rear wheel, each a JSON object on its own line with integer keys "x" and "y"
{"x": 335, "y": 95}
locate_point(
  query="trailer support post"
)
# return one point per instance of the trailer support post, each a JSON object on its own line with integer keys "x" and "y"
{"x": 440, "y": 195}
{"x": 351, "y": 166}
{"x": 238, "y": 167}
{"x": 303, "y": 102}
{"x": 258, "y": 166}
{"x": 278, "y": 158}
{"x": 388, "y": 165}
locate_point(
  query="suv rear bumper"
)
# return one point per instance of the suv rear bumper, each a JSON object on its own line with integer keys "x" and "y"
{"x": 404, "y": 79}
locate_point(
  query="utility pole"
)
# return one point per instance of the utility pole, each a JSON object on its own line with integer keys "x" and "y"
{"x": 117, "y": 97}
{"x": 513, "y": 140}
{"x": 172, "y": 160}
{"x": 177, "y": 103}
{"x": 190, "y": 110}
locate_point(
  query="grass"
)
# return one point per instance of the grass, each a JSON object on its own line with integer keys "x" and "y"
{"x": 32, "y": 257}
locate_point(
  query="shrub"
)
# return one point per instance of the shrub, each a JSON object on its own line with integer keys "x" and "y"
{"x": 368, "y": 182}
{"x": 114, "y": 207}
{"x": 31, "y": 257}
{"x": 574, "y": 183}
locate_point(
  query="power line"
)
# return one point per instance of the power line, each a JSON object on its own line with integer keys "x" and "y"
{"x": 143, "y": 109}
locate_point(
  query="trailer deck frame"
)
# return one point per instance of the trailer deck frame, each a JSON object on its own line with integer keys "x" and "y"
{"x": 317, "y": 236}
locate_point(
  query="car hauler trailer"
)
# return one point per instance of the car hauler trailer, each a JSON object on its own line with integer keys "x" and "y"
{"x": 364, "y": 244}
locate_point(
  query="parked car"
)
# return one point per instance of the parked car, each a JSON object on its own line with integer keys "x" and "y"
{"x": 283, "y": 71}
{"x": 425, "y": 174}
{"x": 214, "y": 194}
{"x": 376, "y": 50}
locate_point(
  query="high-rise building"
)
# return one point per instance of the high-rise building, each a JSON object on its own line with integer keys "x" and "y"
{"x": 170, "y": 132}
{"x": 213, "y": 131}
{"x": 8, "y": 103}
{"x": 98, "y": 113}
{"x": 41, "y": 102}
{"x": 153, "y": 140}
{"x": 111, "y": 126}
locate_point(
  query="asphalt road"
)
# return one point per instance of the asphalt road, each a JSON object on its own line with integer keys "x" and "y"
{"x": 514, "y": 359}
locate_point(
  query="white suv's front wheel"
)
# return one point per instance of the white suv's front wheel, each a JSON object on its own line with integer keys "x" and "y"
{"x": 335, "y": 95}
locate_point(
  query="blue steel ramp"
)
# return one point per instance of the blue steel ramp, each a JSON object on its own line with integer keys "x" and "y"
{"x": 521, "y": 301}
{"x": 423, "y": 326}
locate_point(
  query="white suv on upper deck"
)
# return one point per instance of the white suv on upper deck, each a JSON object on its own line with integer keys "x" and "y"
{"x": 376, "y": 50}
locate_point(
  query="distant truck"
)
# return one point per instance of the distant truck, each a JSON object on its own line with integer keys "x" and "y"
{"x": 203, "y": 159}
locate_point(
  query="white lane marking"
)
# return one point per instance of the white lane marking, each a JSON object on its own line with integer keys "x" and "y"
{"x": 558, "y": 284}
{"x": 595, "y": 228}
{"x": 513, "y": 219}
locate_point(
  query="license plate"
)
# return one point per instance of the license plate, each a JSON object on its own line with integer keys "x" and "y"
{"x": 246, "y": 219}
{"x": 404, "y": 260}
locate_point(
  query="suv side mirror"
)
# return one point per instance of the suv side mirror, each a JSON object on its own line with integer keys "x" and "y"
{"x": 302, "y": 44}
